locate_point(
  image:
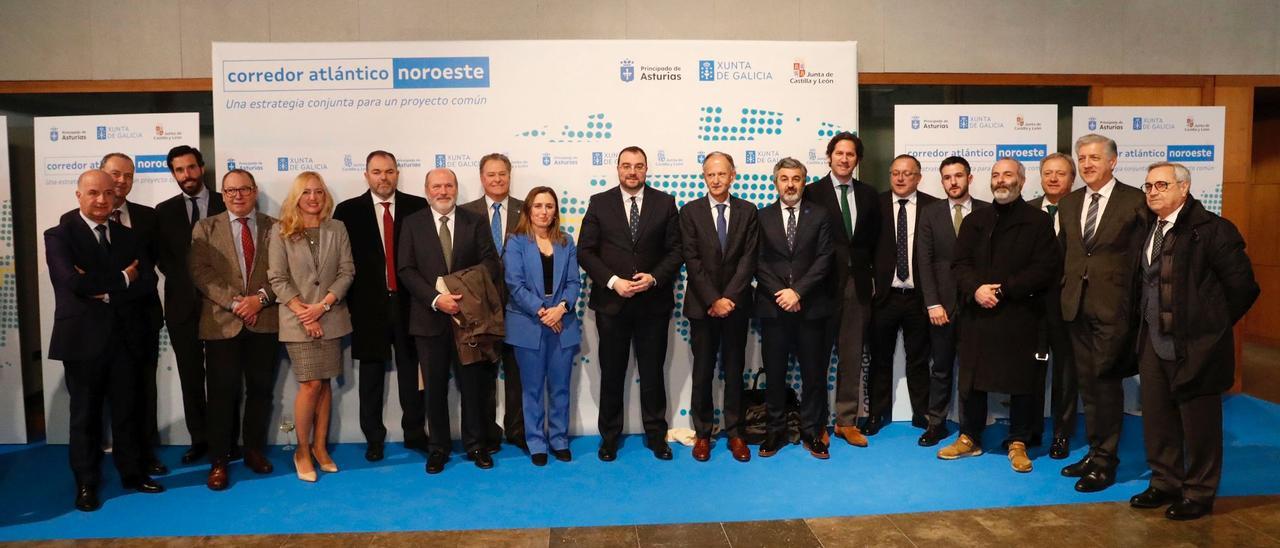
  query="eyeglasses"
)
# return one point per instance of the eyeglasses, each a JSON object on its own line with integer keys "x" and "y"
{"x": 1160, "y": 186}
{"x": 242, "y": 191}
{"x": 904, "y": 173}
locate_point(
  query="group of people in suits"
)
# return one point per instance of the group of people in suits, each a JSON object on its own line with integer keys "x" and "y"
{"x": 1101, "y": 282}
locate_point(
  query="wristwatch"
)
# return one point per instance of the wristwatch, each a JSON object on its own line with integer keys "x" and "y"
{"x": 263, "y": 299}
{"x": 326, "y": 306}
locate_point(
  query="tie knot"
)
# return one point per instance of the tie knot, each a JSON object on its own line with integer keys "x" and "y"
{"x": 957, "y": 207}
{"x": 633, "y": 199}
{"x": 1161, "y": 224}
{"x": 903, "y": 201}
{"x": 497, "y": 206}
{"x": 720, "y": 207}
{"x": 193, "y": 199}
{"x": 1095, "y": 196}
{"x": 444, "y": 219}
{"x": 386, "y": 205}
{"x": 101, "y": 228}
{"x": 244, "y": 221}
{"x": 844, "y": 187}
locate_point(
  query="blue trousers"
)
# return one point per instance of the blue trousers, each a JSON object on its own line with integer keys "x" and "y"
{"x": 547, "y": 370}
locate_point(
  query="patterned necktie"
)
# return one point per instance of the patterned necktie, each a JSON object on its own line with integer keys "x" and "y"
{"x": 958, "y": 217}
{"x": 195, "y": 211}
{"x": 446, "y": 243}
{"x": 115, "y": 215}
{"x": 791, "y": 228}
{"x": 722, "y": 227}
{"x": 388, "y": 244}
{"x": 844, "y": 211}
{"x": 102, "y": 238}
{"x": 902, "y": 270}
{"x": 1157, "y": 242}
{"x": 634, "y": 219}
{"x": 246, "y": 241}
{"x": 1091, "y": 221}
{"x": 1053, "y": 211}
{"x": 495, "y": 227}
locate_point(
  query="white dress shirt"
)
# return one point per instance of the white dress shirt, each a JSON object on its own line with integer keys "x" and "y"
{"x": 451, "y": 223}
{"x": 911, "y": 238}
{"x": 202, "y": 198}
{"x": 1057, "y": 226}
{"x": 853, "y": 204}
{"x": 715, "y": 212}
{"x": 1105, "y": 191}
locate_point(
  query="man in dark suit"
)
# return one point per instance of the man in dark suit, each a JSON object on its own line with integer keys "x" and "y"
{"x": 854, "y": 217}
{"x": 939, "y": 225}
{"x": 1100, "y": 226}
{"x": 898, "y": 303}
{"x": 1195, "y": 283}
{"x": 718, "y": 235}
{"x": 793, "y": 301}
{"x": 142, "y": 220}
{"x": 1057, "y": 174}
{"x": 174, "y": 219}
{"x": 630, "y": 248}
{"x": 503, "y": 213}
{"x": 379, "y": 308}
{"x": 437, "y": 241}
{"x": 102, "y": 281}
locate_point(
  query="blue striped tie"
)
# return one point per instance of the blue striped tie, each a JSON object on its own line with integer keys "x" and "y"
{"x": 495, "y": 226}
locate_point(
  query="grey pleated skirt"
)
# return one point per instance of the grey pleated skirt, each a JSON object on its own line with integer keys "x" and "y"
{"x": 315, "y": 360}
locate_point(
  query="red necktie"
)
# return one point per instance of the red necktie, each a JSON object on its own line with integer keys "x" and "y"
{"x": 388, "y": 244}
{"x": 246, "y": 241}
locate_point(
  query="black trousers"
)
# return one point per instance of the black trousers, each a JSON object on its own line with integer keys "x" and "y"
{"x": 145, "y": 398}
{"x": 942, "y": 350}
{"x": 617, "y": 334}
{"x": 439, "y": 357}
{"x": 847, "y": 331}
{"x": 1064, "y": 388}
{"x": 188, "y": 351}
{"x": 905, "y": 312}
{"x": 1183, "y": 438}
{"x": 244, "y": 364}
{"x": 1103, "y": 398}
{"x": 110, "y": 379}
{"x": 413, "y": 419}
{"x": 512, "y": 398}
{"x": 783, "y": 337}
{"x": 725, "y": 339}
{"x": 973, "y": 407}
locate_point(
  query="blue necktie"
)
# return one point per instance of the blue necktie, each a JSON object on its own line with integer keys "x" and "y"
{"x": 722, "y": 229}
{"x": 495, "y": 226}
{"x": 902, "y": 270}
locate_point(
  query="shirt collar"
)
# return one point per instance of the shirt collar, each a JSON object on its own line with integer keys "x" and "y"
{"x": 488, "y": 202}
{"x": 784, "y": 206}
{"x": 626, "y": 195}
{"x": 378, "y": 201}
{"x": 203, "y": 195}
{"x": 967, "y": 204}
{"x": 910, "y": 197}
{"x": 450, "y": 214}
{"x": 252, "y": 216}
{"x": 93, "y": 225}
{"x": 714, "y": 203}
{"x": 1173, "y": 217}
{"x": 1106, "y": 189}
{"x": 836, "y": 181}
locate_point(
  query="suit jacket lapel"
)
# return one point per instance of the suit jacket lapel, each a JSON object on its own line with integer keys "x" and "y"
{"x": 559, "y": 263}
{"x": 646, "y": 212}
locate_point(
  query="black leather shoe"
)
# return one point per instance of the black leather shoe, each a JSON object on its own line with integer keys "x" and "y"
{"x": 562, "y": 455}
{"x": 482, "y": 459}
{"x": 661, "y": 450}
{"x": 435, "y": 462}
{"x": 1153, "y": 498}
{"x": 1096, "y": 480}
{"x": 1187, "y": 509}
{"x": 155, "y": 468}
{"x": 772, "y": 444}
{"x": 873, "y": 426}
{"x": 817, "y": 448}
{"x": 1079, "y": 469}
{"x": 539, "y": 459}
{"x": 933, "y": 435}
{"x": 143, "y": 484}
{"x": 87, "y": 498}
{"x": 374, "y": 452}
{"x": 195, "y": 453}
{"x": 608, "y": 450}
{"x": 1060, "y": 448}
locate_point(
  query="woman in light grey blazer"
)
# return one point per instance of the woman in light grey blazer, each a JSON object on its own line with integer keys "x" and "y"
{"x": 310, "y": 270}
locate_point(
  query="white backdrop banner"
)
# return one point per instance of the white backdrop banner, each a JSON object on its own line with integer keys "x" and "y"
{"x": 65, "y": 147}
{"x": 1191, "y": 136}
{"x": 981, "y": 134}
{"x": 13, "y": 425}
{"x": 560, "y": 109}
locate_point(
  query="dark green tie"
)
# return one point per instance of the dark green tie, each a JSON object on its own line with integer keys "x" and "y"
{"x": 844, "y": 210}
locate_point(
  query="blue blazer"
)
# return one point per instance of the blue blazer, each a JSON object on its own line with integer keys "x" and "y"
{"x": 523, "y": 264}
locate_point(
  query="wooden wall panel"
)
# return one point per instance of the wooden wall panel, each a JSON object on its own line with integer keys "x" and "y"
{"x": 1118, "y": 96}
{"x": 1238, "y": 155}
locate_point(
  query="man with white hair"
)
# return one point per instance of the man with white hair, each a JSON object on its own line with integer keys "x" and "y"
{"x": 1196, "y": 283}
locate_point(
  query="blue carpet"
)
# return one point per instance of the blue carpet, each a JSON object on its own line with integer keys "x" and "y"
{"x": 891, "y": 476}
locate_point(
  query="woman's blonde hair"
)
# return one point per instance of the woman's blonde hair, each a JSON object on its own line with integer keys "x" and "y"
{"x": 291, "y": 216}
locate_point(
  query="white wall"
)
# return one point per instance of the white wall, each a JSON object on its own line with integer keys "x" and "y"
{"x": 128, "y": 39}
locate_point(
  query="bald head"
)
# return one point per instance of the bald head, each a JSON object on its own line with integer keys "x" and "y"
{"x": 96, "y": 192}
{"x": 442, "y": 189}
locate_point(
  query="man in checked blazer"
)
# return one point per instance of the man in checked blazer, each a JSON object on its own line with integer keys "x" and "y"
{"x": 1100, "y": 225}
{"x": 718, "y": 234}
{"x": 238, "y": 323}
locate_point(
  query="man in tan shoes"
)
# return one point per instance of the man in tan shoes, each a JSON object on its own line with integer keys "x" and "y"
{"x": 1005, "y": 260}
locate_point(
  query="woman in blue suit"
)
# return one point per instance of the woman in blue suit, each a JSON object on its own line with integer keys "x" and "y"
{"x": 542, "y": 275}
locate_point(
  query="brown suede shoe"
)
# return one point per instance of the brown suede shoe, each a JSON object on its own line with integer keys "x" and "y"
{"x": 741, "y": 452}
{"x": 852, "y": 435}
{"x": 702, "y": 450}
{"x": 218, "y": 479}
{"x": 1018, "y": 457}
{"x": 257, "y": 462}
{"x": 962, "y": 447}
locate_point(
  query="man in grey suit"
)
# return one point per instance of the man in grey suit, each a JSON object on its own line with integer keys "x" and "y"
{"x": 503, "y": 212}
{"x": 1057, "y": 173}
{"x": 939, "y": 225}
{"x": 1099, "y": 225}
